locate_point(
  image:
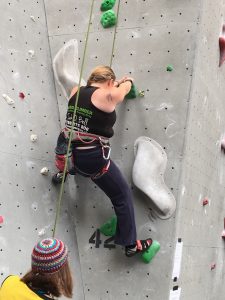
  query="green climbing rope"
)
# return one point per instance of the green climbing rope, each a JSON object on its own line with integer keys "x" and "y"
{"x": 74, "y": 114}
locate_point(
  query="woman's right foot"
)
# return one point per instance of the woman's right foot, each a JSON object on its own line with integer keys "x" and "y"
{"x": 139, "y": 247}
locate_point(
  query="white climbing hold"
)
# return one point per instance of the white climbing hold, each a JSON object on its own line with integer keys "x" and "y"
{"x": 41, "y": 232}
{"x": 33, "y": 138}
{"x": 33, "y": 18}
{"x": 148, "y": 172}
{"x": 65, "y": 66}
{"x": 44, "y": 171}
{"x": 9, "y": 100}
{"x": 31, "y": 53}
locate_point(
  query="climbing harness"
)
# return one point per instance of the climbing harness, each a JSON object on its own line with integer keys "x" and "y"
{"x": 82, "y": 141}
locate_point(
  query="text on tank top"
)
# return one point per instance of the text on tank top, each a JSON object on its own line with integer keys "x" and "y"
{"x": 89, "y": 118}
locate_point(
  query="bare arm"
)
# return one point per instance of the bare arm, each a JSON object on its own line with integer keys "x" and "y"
{"x": 118, "y": 93}
{"x": 74, "y": 90}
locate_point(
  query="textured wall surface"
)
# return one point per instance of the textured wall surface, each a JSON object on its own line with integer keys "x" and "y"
{"x": 151, "y": 35}
{"x": 28, "y": 200}
{"x": 203, "y": 167}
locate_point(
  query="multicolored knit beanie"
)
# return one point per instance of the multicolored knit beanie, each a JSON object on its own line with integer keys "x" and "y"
{"x": 49, "y": 256}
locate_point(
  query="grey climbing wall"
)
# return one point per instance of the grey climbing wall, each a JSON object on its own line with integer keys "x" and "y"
{"x": 182, "y": 110}
{"x": 150, "y": 36}
{"x": 203, "y": 168}
{"x": 28, "y": 200}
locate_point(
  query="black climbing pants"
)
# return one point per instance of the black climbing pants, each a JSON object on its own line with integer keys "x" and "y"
{"x": 89, "y": 162}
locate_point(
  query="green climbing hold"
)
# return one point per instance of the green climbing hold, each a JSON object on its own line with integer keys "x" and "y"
{"x": 107, "y": 4}
{"x": 148, "y": 255}
{"x": 169, "y": 68}
{"x": 108, "y": 19}
{"x": 134, "y": 93}
{"x": 109, "y": 228}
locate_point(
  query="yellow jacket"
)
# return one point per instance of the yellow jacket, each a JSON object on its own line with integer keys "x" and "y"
{"x": 14, "y": 289}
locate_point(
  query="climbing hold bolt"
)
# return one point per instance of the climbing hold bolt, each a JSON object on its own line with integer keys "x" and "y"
{"x": 169, "y": 68}
{"x": 44, "y": 171}
{"x": 107, "y": 4}
{"x": 205, "y": 202}
{"x": 108, "y": 19}
{"x": 213, "y": 266}
{"x": 33, "y": 138}
{"x": 9, "y": 100}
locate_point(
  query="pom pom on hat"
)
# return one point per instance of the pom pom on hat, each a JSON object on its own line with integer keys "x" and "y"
{"x": 49, "y": 256}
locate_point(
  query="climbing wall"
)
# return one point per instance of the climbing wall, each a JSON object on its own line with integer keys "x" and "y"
{"x": 28, "y": 200}
{"x": 151, "y": 35}
{"x": 199, "y": 227}
{"x": 182, "y": 110}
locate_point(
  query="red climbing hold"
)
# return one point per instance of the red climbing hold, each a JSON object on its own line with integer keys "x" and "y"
{"x": 205, "y": 202}
{"x": 1, "y": 219}
{"x": 21, "y": 95}
{"x": 222, "y": 46}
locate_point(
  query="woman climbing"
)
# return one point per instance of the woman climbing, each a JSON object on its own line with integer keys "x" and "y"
{"x": 91, "y": 130}
{"x": 48, "y": 278}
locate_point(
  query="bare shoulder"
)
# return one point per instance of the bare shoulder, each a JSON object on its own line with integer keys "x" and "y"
{"x": 113, "y": 95}
{"x": 73, "y": 91}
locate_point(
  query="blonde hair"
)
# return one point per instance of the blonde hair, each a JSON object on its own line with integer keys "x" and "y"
{"x": 58, "y": 284}
{"x": 101, "y": 74}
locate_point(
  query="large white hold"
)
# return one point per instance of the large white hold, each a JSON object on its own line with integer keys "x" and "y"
{"x": 44, "y": 171}
{"x": 65, "y": 66}
{"x": 9, "y": 100}
{"x": 148, "y": 175}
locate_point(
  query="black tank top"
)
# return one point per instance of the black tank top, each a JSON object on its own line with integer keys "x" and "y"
{"x": 89, "y": 118}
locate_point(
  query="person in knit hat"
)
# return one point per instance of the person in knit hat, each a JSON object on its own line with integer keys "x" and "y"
{"x": 48, "y": 278}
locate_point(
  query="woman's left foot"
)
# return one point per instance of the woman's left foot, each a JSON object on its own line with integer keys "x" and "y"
{"x": 58, "y": 177}
{"x": 139, "y": 247}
